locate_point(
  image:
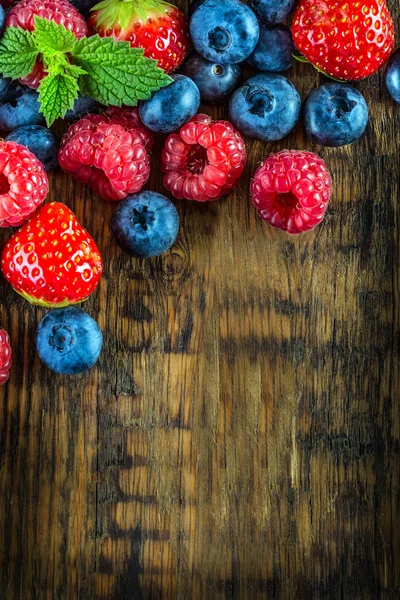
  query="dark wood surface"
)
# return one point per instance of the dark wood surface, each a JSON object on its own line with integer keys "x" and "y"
{"x": 239, "y": 438}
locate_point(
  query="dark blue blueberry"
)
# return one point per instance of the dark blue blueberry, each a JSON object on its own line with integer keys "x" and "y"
{"x": 393, "y": 76}
{"x": 83, "y": 106}
{"x": 84, "y": 6}
{"x": 224, "y": 31}
{"x": 266, "y": 107}
{"x": 39, "y": 140}
{"x": 172, "y": 106}
{"x": 2, "y": 19}
{"x": 274, "y": 51}
{"x": 194, "y": 5}
{"x": 215, "y": 82}
{"x": 335, "y": 114}
{"x": 271, "y": 12}
{"x": 145, "y": 224}
{"x": 20, "y": 106}
{"x": 4, "y": 87}
{"x": 69, "y": 341}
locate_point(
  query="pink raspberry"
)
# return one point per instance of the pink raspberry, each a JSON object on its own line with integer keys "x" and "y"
{"x": 204, "y": 160}
{"x": 111, "y": 159}
{"x": 23, "y": 184}
{"x": 61, "y": 12}
{"x": 129, "y": 118}
{"x": 5, "y": 356}
{"x": 291, "y": 190}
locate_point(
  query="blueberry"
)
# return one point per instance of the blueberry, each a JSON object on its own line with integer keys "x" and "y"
{"x": 215, "y": 82}
{"x": 145, "y": 224}
{"x": 84, "y": 6}
{"x": 194, "y": 5}
{"x": 4, "y": 87}
{"x": 271, "y": 12}
{"x": 266, "y": 107}
{"x": 2, "y": 19}
{"x": 83, "y": 105}
{"x": 69, "y": 341}
{"x": 393, "y": 76}
{"x": 274, "y": 51}
{"x": 20, "y": 106}
{"x": 39, "y": 140}
{"x": 224, "y": 31}
{"x": 172, "y": 106}
{"x": 335, "y": 114}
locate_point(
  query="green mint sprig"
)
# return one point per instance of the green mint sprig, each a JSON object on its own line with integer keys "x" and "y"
{"x": 110, "y": 72}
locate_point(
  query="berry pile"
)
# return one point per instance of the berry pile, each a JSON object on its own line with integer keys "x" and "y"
{"x": 52, "y": 260}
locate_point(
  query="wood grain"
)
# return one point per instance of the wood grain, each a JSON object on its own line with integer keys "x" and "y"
{"x": 240, "y": 436}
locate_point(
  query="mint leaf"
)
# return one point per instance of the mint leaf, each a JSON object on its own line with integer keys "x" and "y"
{"x": 18, "y": 53}
{"x": 116, "y": 73}
{"x": 51, "y": 38}
{"x": 57, "y": 94}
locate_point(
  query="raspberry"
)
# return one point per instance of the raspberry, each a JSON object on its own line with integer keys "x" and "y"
{"x": 111, "y": 159}
{"x": 291, "y": 190}
{"x": 204, "y": 161}
{"x": 129, "y": 118}
{"x": 5, "y": 356}
{"x": 60, "y": 11}
{"x": 23, "y": 184}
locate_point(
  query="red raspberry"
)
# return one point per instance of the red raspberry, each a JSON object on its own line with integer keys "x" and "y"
{"x": 291, "y": 190}
{"x": 5, "y": 356}
{"x": 23, "y": 184}
{"x": 204, "y": 161}
{"x": 129, "y": 118}
{"x": 111, "y": 159}
{"x": 60, "y": 11}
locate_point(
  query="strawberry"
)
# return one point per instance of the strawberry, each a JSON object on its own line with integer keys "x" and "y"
{"x": 156, "y": 26}
{"x": 346, "y": 40}
{"x": 52, "y": 261}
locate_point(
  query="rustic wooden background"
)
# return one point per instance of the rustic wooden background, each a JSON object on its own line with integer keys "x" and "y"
{"x": 240, "y": 436}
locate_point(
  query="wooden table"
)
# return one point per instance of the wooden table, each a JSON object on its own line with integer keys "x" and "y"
{"x": 240, "y": 436}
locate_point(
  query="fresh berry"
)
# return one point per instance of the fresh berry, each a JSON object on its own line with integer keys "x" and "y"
{"x": 105, "y": 155}
{"x": 274, "y": 51}
{"x": 83, "y": 105}
{"x": 18, "y": 107}
{"x": 130, "y": 119}
{"x": 216, "y": 82}
{"x": 346, "y": 40}
{"x": 158, "y": 27}
{"x": 393, "y": 76}
{"x": 40, "y": 141}
{"x": 291, "y": 190}
{"x": 172, "y": 106}
{"x": 69, "y": 341}
{"x": 61, "y": 12}
{"x": 145, "y": 224}
{"x": 5, "y": 356}
{"x": 204, "y": 160}
{"x": 266, "y": 107}
{"x": 271, "y": 12}
{"x": 23, "y": 184}
{"x": 224, "y": 31}
{"x": 335, "y": 114}
{"x": 52, "y": 260}
{"x": 2, "y": 19}
{"x": 5, "y": 84}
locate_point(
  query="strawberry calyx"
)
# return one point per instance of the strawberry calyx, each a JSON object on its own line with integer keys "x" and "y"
{"x": 44, "y": 304}
{"x": 303, "y": 59}
{"x": 123, "y": 13}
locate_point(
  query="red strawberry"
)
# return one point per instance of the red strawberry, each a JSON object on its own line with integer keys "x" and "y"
{"x": 158, "y": 27}
{"x": 52, "y": 260}
{"x": 61, "y": 11}
{"x": 346, "y": 40}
